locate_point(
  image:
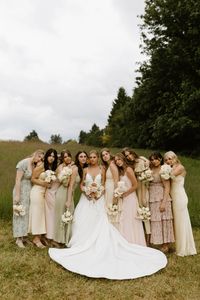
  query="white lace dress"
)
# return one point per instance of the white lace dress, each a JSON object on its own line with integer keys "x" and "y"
{"x": 97, "y": 249}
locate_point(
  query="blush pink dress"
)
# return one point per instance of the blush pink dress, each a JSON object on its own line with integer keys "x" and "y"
{"x": 130, "y": 226}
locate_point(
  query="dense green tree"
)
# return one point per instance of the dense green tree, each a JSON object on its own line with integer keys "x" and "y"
{"x": 166, "y": 103}
{"x": 116, "y": 131}
{"x": 82, "y": 137}
{"x": 55, "y": 139}
{"x": 94, "y": 137}
{"x": 32, "y": 136}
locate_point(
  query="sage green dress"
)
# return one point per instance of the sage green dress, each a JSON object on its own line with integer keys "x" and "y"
{"x": 62, "y": 232}
{"x": 20, "y": 223}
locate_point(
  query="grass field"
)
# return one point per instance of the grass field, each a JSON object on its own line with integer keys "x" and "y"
{"x": 12, "y": 152}
{"x": 30, "y": 274}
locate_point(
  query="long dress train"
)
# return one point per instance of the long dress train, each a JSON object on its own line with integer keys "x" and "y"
{"x": 98, "y": 249}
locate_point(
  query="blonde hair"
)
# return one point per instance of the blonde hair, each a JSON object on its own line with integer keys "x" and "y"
{"x": 39, "y": 151}
{"x": 173, "y": 156}
{"x": 95, "y": 152}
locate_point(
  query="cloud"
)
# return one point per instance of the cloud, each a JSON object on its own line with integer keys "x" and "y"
{"x": 62, "y": 63}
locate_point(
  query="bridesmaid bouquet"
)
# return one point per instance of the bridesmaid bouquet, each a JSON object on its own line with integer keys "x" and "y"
{"x": 67, "y": 217}
{"x": 49, "y": 176}
{"x": 18, "y": 210}
{"x": 93, "y": 191}
{"x": 121, "y": 188}
{"x": 142, "y": 165}
{"x": 165, "y": 172}
{"x": 64, "y": 176}
{"x": 112, "y": 209}
{"x": 145, "y": 176}
{"x": 145, "y": 215}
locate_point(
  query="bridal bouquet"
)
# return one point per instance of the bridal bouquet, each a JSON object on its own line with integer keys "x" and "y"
{"x": 49, "y": 176}
{"x": 93, "y": 191}
{"x": 145, "y": 176}
{"x": 165, "y": 172}
{"x": 18, "y": 210}
{"x": 121, "y": 188}
{"x": 64, "y": 176}
{"x": 67, "y": 217}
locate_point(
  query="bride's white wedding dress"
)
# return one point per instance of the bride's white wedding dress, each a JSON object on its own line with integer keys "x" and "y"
{"x": 97, "y": 249}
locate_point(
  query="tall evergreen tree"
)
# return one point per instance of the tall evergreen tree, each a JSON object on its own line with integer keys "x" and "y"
{"x": 117, "y": 127}
{"x": 166, "y": 103}
{"x": 94, "y": 137}
{"x": 82, "y": 137}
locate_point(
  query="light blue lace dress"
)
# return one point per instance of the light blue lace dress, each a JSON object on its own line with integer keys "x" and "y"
{"x": 20, "y": 223}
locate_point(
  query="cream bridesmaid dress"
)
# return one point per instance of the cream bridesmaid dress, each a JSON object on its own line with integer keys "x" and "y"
{"x": 183, "y": 231}
{"x": 50, "y": 199}
{"x": 37, "y": 223}
{"x": 109, "y": 193}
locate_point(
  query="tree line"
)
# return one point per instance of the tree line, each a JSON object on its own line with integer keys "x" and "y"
{"x": 164, "y": 110}
{"x": 54, "y": 138}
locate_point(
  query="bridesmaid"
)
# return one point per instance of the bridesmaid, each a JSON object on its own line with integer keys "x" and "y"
{"x": 162, "y": 232}
{"x": 183, "y": 231}
{"x": 130, "y": 225}
{"x": 81, "y": 162}
{"x": 21, "y": 194}
{"x": 61, "y": 195}
{"x": 37, "y": 225}
{"x": 140, "y": 164}
{"x": 111, "y": 178}
{"x": 76, "y": 177}
{"x": 50, "y": 163}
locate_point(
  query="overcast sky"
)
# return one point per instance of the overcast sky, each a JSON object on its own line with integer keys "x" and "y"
{"x": 62, "y": 63}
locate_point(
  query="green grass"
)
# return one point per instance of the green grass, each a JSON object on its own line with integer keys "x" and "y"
{"x": 30, "y": 274}
{"x": 12, "y": 152}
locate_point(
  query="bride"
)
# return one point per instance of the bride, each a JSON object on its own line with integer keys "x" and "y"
{"x": 96, "y": 248}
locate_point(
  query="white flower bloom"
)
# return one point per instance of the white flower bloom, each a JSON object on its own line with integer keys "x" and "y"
{"x": 165, "y": 172}
{"x": 18, "y": 210}
{"x": 144, "y": 213}
{"x": 112, "y": 209}
{"x": 67, "y": 217}
{"x": 65, "y": 174}
{"x": 50, "y": 176}
{"x": 145, "y": 175}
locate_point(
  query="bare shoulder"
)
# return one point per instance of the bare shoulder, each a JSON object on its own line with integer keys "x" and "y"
{"x": 129, "y": 171}
{"x": 179, "y": 167}
{"x": 113, "y": 165}
{"x": 59, "y": 168}
{"x": 74, "y": 169}
{"x": 39, "y": 168}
